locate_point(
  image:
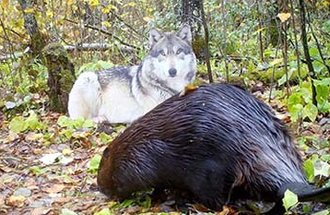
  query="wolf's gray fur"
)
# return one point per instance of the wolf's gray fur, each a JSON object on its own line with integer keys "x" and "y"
{"x": 123, "y": 94}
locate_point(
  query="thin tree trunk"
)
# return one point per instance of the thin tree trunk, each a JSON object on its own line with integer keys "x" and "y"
{"x": 260, "y": 32}
{"x": 285, "y": 56}
{"x": 206, "y": 50}
{"x": 305, "y": 46}
{"x": 38, "y": 41}
{"x": 295, "y": 39}
{"x": 224, "y": 33}
{"x": 317, "y": 44}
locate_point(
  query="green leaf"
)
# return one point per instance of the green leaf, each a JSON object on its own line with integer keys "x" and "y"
{"x": 64, "y": 121}
{"x": 36, "y": 170}
{"x": 324, "y": 212}
{"x": 33, "y": 122}
{"x": 309, "y": 169}
{"x": 294, "y": 99}
{"x": 66, "y": 211}
{"x": 325, "y": 157}
{"x": 105, "y": 138}
{"x": 17, "y": 124}
{"x": 321, "y": 168}
{"x": 283, "y": 79}
{"x": 296, "y": 112}
{"x": 290, "y": 199}
{"x": 314, "y": 52}
{"x": 104, "y": 211}
{"x": 88, "y": 123}
{"x": 310, "y": 111}
{"x": 94, "y": 164}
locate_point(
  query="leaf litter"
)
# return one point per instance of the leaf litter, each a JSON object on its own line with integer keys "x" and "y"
{"x": 49, "y": 164}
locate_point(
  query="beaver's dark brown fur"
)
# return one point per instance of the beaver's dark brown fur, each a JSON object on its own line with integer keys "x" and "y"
{"x": 217, "y": 142}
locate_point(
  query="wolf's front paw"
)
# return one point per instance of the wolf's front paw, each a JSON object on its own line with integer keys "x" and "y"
{"x": 99, "y": 119}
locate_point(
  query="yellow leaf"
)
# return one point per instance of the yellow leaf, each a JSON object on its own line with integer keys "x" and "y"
{"x": 70, "y": 2}
{"x": 188, "y": 89}
{"x": 276, "y": 61}
{"x": 284, "y": 16}
{"x": 147, "y": 18}
{"x": 94, "y": 3}
{"x": 106, "y": 24}
{"x": 259, "y": 30}
{"x": 29, "y": 10}
{"x": 131, "y": 4}
{"x": 5, "y": 3}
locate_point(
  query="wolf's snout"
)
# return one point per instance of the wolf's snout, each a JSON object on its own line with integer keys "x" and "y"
{"x": 172, "y": 72}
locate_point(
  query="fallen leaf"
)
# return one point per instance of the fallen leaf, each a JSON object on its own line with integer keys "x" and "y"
{"x": 16, "y": 201}
{"x": 38, "y": 211}
{"x": 55, "y": 188}
{"x": 284, "y": 16}
{"x": 50, "y": 158}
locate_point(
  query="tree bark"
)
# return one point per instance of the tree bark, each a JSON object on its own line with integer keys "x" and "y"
{"x": 206, "y": 36}
{"x": 61, "y": 76}
{"x": 38, "y": 41}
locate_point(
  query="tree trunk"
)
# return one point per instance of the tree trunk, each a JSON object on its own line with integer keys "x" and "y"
{"x": 60, "y": 76}
{"x": 306, "y": 49}
{"x": 60, "y": 69}
{"x": 38, "y": 41}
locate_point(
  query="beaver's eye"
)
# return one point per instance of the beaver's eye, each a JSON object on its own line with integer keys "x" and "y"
{"x": 179, "y": 51}
{"x": 162, "y": 52}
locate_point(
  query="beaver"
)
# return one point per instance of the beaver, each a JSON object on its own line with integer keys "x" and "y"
{"x": 217, "y": 142}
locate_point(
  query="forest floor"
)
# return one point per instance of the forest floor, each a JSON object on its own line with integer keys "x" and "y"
{"x": 49, "y": 168}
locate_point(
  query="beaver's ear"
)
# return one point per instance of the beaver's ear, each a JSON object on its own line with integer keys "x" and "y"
{"x": 185, "y": 34}
{"x": 154, "y": 37}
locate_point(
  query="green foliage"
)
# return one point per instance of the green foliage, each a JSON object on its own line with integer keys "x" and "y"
{"x": 316, "y": 166}
{"x": 95, "y": 66}
{"x": 94, "y": 163}
{"x": 36, "y": 170}
{"x": 105, "y": 138}
{"x": 66, "y": 122}
{"x": 323, "y": 212}
{"x": 300, "y": 103}
{"x": 32, "y": 123}
{"x": 290, "y": 200}
{"x": 104, "y": 211}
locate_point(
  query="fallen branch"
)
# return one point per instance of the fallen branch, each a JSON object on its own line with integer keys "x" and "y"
{"x": 81, "y": 47}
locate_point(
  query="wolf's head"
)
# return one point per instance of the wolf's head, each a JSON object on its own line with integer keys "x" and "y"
{"x": 171, "y": 60}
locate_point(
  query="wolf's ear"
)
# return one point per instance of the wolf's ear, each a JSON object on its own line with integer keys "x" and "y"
{"x": 185, "y": 34}
{"x": 154, "y": 37}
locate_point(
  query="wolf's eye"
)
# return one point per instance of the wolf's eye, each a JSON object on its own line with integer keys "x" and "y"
{"x": 179, "y": 51}
{"x": 162, "y": 52}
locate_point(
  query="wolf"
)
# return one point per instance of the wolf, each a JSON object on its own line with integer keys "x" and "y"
{"x": 124, "y": 93}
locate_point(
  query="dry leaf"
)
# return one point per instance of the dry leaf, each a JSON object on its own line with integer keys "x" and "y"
{"x": 188, "y": 89}
{"x": 16, "y": 201}
{"x": 284, "y": 16}
{"x": 55, "y": 188}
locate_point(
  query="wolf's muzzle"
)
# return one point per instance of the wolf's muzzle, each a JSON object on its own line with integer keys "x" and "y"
{"x": 172, "y": 72}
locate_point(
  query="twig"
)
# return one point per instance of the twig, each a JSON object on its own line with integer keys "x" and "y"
{"x": 105, "y": 32}
{"x": 128, "y": 25}
{"x": 273, "y": 73}
{"x": 317, "y": 43}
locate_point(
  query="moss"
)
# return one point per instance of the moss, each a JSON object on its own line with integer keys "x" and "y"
{"x": 60, "y": 76}
{"x": 266, "y": 76}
